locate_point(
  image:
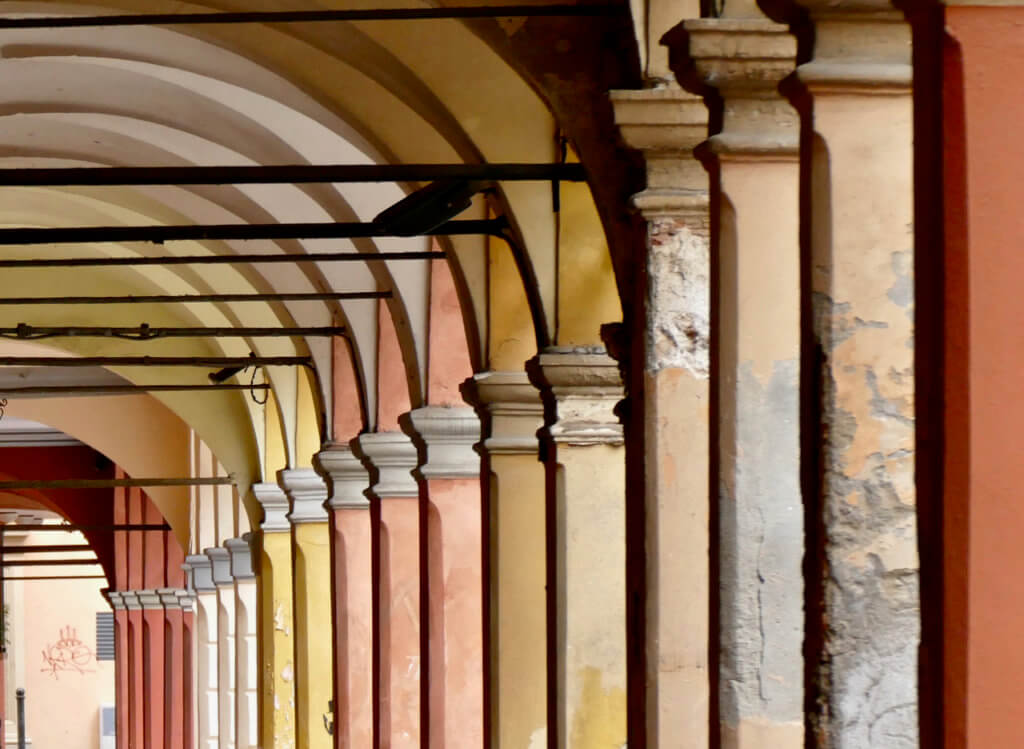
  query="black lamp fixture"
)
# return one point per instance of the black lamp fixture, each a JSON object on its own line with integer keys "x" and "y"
{"x": 429, "y": 207}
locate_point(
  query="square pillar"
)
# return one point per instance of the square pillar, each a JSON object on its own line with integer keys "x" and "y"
{"x": 206, "y": 656}
{"x": 246, "y": 658}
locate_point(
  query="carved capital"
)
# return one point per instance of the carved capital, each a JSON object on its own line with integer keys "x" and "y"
{"x": 274, "y": 502}
{"x": 115, "y": 600}
{"x": 586, "y": 386}
{"x": 131, "y": 601}
{"x": 170, "y": 598}
{"x": 393, "y": 456}
{"x": 449, "y": 434}
{"x": 200, "y": 573}
{"x": 220, "y": 565}
{"x": 149, "y": 599}
{"x": 346, "y": 476}
{"x": 240, "y": 554}
{"x": 306, "y": 492}
{"x": 186, "y": 600}
{"x": 514, "y": 411}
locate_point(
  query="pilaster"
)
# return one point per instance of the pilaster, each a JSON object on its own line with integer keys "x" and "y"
{"x": 863, "y": 292}
{"x": 511, "y": 410}
{"x": 175, "y": 668}
{"x": 760, "y": 509}
{"x": 246, "y": 661}
{"x": 199, "y": 570}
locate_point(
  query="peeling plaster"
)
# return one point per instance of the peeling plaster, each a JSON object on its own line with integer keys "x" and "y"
{"x": 679, "y": 303}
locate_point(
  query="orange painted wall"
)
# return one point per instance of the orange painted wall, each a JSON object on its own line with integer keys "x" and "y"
{"x": 984, "y": 471}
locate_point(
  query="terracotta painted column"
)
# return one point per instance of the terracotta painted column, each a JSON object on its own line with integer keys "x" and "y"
{"x": 136, "y": 671}
{"x": 862, "y": 285}
{"x": 122, "y": 676}
{"x": 207, "y": 694}
{"x": 586, "y": 486}
{"x": 454, "y": 526}
{"x": 153, "y": 667}
{"x": 352, "y": 593}
{"x": 175, "y": 669}
{"x": 276, "y": 645}
{"x": 314, "y": 680}
{"x": 220, "y": 568}
{"x": 392, "y": 457}
{"x": 760, "y": 506}
{"x": 670, "y": 449}
{"x": 246, "y": 659}
{"x": 511, "y": 413}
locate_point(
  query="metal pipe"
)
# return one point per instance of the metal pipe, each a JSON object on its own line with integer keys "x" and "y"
{"x": 19, "y": 695}
{"x": 43, "y": 549}
{"x": 81, "y": 390}
{"x": 314, "y": 16}
{"x": 144, "y": 332}
{"x": 234, "y": 232}
{"x": 51, "y": 562}
{"x": 21, "y": 578}
{"x": 286, "y": 174}
{"x": 156, "y": 361}
{"x": 111, "y": 483}
{"x": 326, "y": 257}
{"x": 190, "y": 298}
{"x": 75, "y": 528}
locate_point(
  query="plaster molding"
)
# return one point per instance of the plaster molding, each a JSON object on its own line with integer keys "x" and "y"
{"x": 394, "y": 456}
{"x": 666, "y": 123}
{"x": 240, "y": 555}
{"x": 170, "y": 597}
{"x": 586, "y": 386}
{"x": 220, "y": 565}
{"x": 307, "y": 493}
{"x": 200, "y": 572}
{"x": 274, "y": 502}
{"x": 186, "y": 600}
{"x": 449, "y": 434}
{"x": 115, "y": 600}
{"x": 745, "y": 59}
{"x": 514, "y": 408}
{"x": 346, "y": 476}
{"x": 131, "y": 600}
{"x": 149, "y": 599}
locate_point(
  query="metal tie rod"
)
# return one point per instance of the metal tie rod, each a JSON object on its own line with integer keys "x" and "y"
{"x": 332, "y": 257}
{"x": 156, "y": 361}
{"x": 146, "y": 333}
{"x": 112, "y": 483}
{"x": 286, "y": 174}
{"x": 72, "y": 390}
{"x": 190, "y": 298}
{"x": 237, "y": 232}
{"x": 315, "y": 16}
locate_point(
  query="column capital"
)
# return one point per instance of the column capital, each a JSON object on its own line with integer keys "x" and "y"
{"x": 131, "y": 600}
{"x": 240, "y": 554}
{"x": 745, "y": 59}
{"x": 149, "y": 599}
{"x": 274, "y": 502}
{"x": 666, "y": 123}
{"x": 346, "y": 476}
{"x": 186, "y": 600}
{"x": 860, "y": 47}
{"x": 220, "y": 565}
{"x": 170, "y": 597}
{"x": 449, "y": 434}
{"x": 200, "y": 572}
{"x": 115, "y": 600}
{"x": 307, "y": 493}
{"x": 514, "y": 409}
{"x": 586, "y": 385}
{"x": 394, "y": 456}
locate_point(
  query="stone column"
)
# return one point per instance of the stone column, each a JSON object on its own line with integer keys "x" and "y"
{"x": 136, "y": 671}
{"x": 451, "y": 472}
{"x": 277, "y": 654}
{"x": 153, "y": 666}
{"x": 392, "y": 457}
{"x": 352, "y": 590}
{"x": 175, "y": 668}
{"x": 314, "y": 681}
{"x": 861, "y": 214}
{"x": 122, "y": 676}
{"x": 760, "y": 507}
{"x": 586, "y": 464}
{"x": 512, "y": 412}
{"x": 188, "y": 620}
{"x": 220, "y": 566}
{"x": 670, "y": 439}
{"x": 207, "y": 696}
{"x": 246, "y": 659}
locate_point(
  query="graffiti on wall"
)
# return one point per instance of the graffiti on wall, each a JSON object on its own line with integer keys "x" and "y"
{"x": 67, "y": 654}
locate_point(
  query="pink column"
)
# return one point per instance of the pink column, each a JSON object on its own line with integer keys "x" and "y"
{"x": 152, "y": 668}
{"x": 136, "y": 672}
{"x": 454, "y": 525}
{"x": 174, "y": 669}
{"x": 121, "y": 674}
{"x": 392, "y": 457}
{"x": 352, "y": 588}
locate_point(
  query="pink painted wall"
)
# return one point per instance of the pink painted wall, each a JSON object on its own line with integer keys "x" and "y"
{"x": 392, "y": 385}
{"x": 448, "y": 361}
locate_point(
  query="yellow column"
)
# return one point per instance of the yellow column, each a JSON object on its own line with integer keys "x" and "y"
{"x": 276, "y": 652}
{"x": 314, "y": 679}
{"x": 586, "y": 459}
{"x": 511, "y": 412}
